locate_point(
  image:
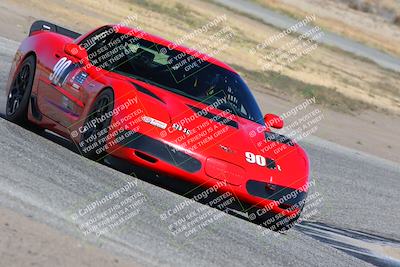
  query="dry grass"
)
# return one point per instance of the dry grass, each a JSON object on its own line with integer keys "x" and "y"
{"x": 389, "y": 9}
{"x": 338, "y": 80}
{"x": 373, "y": 22}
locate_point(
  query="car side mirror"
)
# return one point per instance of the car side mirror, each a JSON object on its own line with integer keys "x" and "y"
{"x": 76, "y": 51}
{"x": 274, "y": 121}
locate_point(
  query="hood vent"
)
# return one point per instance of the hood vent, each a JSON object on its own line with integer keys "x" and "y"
{"x": 275, "y": 137}
{"x": 216, "y": 118}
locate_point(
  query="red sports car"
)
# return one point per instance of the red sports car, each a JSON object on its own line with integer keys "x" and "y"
{"x": 124, "y": 92}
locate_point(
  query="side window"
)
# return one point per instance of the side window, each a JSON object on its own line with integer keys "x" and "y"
{"x": 97, "y": 45}
{"x": 90, "y": 41}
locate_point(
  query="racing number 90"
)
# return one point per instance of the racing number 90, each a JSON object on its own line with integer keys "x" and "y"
{"x": 59, "y": 69}
{"x": 258, "y": 159}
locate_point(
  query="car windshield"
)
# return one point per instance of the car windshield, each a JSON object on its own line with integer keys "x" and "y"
{"x": 188, "y": 75}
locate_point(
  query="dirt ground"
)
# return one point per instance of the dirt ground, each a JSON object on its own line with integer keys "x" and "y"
{"x": 25, "y": 242}
{"x": 374, "y": 22}
{"x": 337, "y": 79}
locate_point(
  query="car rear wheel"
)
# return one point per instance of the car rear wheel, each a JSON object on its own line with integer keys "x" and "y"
{"x": 20, "y": 91}
{"x": 93, "y": 139}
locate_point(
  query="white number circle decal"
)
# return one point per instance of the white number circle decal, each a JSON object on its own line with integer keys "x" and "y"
{"x": 59, "y": 69}
{"x": 256, "y": 159}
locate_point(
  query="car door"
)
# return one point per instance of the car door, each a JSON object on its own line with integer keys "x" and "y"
{"x": 60, "y": 89}
{"x": 66, "y": 86}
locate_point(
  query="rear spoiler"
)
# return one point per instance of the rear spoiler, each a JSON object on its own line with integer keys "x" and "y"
{"x": 41, "y": 25}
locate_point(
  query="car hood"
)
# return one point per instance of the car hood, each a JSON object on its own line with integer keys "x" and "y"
{"x": 230, "y": 147}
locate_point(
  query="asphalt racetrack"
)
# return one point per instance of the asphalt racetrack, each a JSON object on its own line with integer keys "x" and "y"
{"x": 355, "y": 221}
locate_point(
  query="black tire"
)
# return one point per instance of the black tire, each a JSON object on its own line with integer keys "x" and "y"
{"x": 20, "y": 92}
{"x": 93, "y": 139}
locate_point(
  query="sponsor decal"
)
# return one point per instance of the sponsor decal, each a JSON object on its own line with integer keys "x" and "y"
{"x": 66, "y": 103}
{"x": 79, "y": 79}
{"x": 178, "y": 127}
{"x": 226, "y": 149}
{"x": 154, "y": 122}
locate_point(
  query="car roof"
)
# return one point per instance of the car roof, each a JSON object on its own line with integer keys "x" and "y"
{"x": 158, "y": 40}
